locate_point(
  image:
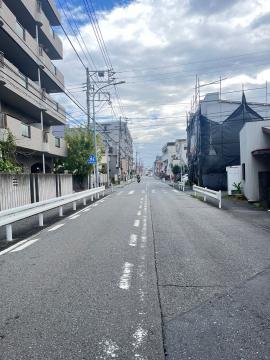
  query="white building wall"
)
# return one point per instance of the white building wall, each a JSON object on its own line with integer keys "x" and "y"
{"x": 252, "y": 138}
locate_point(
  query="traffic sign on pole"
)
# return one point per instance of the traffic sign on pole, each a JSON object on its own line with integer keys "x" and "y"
{"x": 92, "y": 160}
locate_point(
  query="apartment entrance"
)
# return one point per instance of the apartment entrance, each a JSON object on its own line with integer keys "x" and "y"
{"x": 38, "y": 168}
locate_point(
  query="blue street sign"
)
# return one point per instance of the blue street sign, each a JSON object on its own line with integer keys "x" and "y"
{"x": 92, "y": 160}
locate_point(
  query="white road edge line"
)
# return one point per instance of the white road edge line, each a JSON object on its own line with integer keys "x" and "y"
{"x": 13, "y": 247}
{"x": 56, "y": 227}
{"x": 25, "y": 245}
{"x": 126, "y": 276}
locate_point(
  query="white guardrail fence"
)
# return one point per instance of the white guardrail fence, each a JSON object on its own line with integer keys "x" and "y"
{"x": 208, "y": 193}
{"x": 8, "y": 217}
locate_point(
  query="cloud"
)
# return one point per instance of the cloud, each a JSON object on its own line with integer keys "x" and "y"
{"x": 158, "y": 47}
{"x": 263, "y": 20}
{"x": 211, "y": 6}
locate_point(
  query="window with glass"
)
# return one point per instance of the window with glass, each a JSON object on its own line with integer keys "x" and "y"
{"x": 25, "y": 130}
{"x": 57, "y": 142}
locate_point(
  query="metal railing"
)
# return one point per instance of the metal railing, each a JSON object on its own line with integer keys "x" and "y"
{"x": 208, "y": 193}
{"x": 10, "y": 216}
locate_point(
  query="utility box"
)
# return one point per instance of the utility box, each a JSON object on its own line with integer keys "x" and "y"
{"x": 234, "y": 175}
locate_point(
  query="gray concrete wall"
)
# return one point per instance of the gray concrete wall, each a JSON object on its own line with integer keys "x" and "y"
{"x": 15, "y": 190}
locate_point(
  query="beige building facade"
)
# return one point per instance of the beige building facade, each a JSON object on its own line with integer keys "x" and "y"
{"x": 28, "y": 76}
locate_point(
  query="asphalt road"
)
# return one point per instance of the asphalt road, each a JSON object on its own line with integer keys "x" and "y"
{"x": 145, "y": 271}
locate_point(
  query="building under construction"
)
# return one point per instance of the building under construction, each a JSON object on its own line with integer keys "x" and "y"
{"x": 213, "y": 137}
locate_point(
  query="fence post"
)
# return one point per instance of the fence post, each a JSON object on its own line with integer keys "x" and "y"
{"x": 61, "y": 211}
{"x": 219, "y": 204}
{"x": 183, "y": 187}
{"x": 204, "y": 198}
{"x": 9, "y": 232}
{"x": 74, "y": 206}
{"x": 40, "y": 219}
{"x": 84, "y": 201}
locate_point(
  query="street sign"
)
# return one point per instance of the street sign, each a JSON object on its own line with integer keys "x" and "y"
{"x": 92, "y": 160}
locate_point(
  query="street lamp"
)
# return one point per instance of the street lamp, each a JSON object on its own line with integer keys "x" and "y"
{"x": 94, "y": 122}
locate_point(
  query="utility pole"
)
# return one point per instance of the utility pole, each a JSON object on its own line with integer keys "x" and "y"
{"x": 107, "y": 83}
{"x": 119, "y": 148}
{"x": 108, "y": 162}
{"x": 88, "y": 106}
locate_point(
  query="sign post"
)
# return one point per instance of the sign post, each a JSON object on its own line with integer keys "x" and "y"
{"x": 92, "y": 161}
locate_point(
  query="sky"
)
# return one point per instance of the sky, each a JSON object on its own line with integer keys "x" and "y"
{"x": 158, "y": 47}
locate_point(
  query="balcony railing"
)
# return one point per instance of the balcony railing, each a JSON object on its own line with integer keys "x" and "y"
{"x": 29, "y": 44}
{"x": 35, "y": 94}
{"x": 28, "y": 136}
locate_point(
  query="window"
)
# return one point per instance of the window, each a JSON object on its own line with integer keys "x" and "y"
{"x": 243, "y": 171}
{"x": 26, "y": 130}
{"x": 57, "y": 142}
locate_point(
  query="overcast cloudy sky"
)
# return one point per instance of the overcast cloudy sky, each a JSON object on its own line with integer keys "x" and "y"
{"x": 158, "y": 47}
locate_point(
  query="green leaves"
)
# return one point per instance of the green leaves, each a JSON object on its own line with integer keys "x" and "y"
{"x": 176, "y": 169}
{"x": 237, "y": 186}
{"x": 8, "y": 162}
{"x": 80, "y": 145}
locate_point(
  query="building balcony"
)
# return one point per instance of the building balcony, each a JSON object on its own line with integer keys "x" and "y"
{"x": 24, "y": 51}
{"x": 30, "y": 137}
{"x": 51, "y": 12}
{"x": 30, "y": 99}
{"x": 48, "y": 37}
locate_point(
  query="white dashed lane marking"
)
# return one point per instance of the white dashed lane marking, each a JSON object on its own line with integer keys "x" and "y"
{"x": 153, "y": 191}
{"x": 74, "y": 216}
{"x": 56, "y": 227}
{"x": 126, "y": 276}
{"x": 131, "y": 192}
{"x": 136, "y": 223}
{"x": 139, "y": 213}
{"x": 133, "y": 240}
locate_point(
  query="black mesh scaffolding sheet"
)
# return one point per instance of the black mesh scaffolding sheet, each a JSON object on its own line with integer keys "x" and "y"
{"x": 214, "y": 145}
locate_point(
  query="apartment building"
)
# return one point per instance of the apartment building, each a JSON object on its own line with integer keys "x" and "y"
{"x": 173, "y": 153}
{"x": 118, "y": 140}
{"x": 27, "y": 78}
